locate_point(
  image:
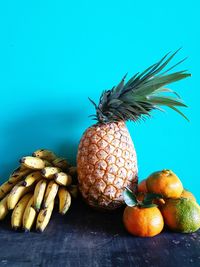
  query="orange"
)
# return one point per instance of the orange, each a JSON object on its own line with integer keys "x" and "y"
{"x": 142, "y": 186}
{"x": 143, "y": 221}
{"x": 166, "y": 183}
{"x": 188, "y": 194}
{"x": 181, "y": 215}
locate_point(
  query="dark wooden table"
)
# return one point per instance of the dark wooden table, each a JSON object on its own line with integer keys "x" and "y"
{"x": 85, "y": 237}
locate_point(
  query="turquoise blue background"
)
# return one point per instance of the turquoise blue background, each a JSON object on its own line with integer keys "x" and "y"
{"x": 54, "y": 54}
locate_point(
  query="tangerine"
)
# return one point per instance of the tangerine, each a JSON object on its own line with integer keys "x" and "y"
{"x": 166, "y": 183}
{"x": 143, "y": 221}
{"x": 181, "y": 215}
{"x": 142, "y": 187}
{"x": 188, "y": 194}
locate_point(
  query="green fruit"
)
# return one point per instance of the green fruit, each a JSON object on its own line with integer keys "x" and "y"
{"x": 181, "y": 215}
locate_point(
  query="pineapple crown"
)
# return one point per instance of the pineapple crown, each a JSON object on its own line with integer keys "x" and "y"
{"x": 144, "y": 92}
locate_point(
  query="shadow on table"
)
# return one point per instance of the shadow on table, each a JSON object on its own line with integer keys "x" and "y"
{"x": 83, "y": 218}
{"x": 80, "y": 219}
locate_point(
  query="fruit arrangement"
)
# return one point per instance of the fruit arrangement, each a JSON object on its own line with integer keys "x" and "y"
{"x": 161, "y": 200}
{"x": 106, "y": 160}
{"x": 31, "y": 190}
{"x": 107, "y": 164}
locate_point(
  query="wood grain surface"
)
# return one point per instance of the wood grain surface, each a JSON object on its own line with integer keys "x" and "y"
{"x": 89, "y": 238}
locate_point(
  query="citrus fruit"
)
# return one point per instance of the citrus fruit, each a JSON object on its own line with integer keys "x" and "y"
{"x": 188, "y": 194}
{"x": 166, "y": 183}
{"x": 144, "y": 222}
{"x": 181, "y": 215}
{"x": 142, "y": 186}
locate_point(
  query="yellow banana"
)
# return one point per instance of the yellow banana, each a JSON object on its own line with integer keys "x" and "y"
{"x": 50, "y": 193}
{"x": 32, "y": 178}
{"x": 39, "y": 193}
{"x": 5, "y": 188}
{"x": 32, "y": 163}
{"x": 18, "y": 170}
{"x": 61, "y": 163}
{"x": 73, "y": 189}
{"x": 29, "y": 216}
{"x": 64, "y": 200}
{"x": 48, "y": 172}
{"x": 44, "y": 154}
{"x": 16, "y": 193}
{"x": 3, "y": 208}
{"x": 44, "y": 217}
{"x": 62, "y": 178}
{"x": 19, "y": 174}
{"x": 18, "y": 212}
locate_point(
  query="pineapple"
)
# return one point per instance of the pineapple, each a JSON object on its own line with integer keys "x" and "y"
{"x": 106, "y": 159}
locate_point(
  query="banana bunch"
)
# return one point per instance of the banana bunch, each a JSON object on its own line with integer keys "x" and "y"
{"x": 33, "y": 189}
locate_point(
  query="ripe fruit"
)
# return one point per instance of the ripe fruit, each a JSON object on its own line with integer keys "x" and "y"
{"x": 31, "y": 190}
{"x": 18, "y": 212}
{"x": 16, "y": 193}
{"x": 64, "y": 200}
{"x": 44, "y": 154}
{"x": 44, "y": 217}
{"x": 188, "y": 194}
{"x": 166, "y": 183}
{"x": 106, "y": 164}
{"x": 32, "y": 178}
{"x": 62, "y": 178}
{"x": 3, "y": 208}
{"x": 142, "y": 218}
{"x": 39, "y": 192}
{"x": 32, "y": 163}
{"x": 29, "y": 216}
{"x": 141, "y": 221}
{"x": 49, "y": 172}
{"x": 142, "y": 187}
{"x": 19, "y": 174}
{"x": 5, "y": 188}
{"x": 106, "y": 160}
{"x": 181, "y": 215}
{"x": 50, "y": 194}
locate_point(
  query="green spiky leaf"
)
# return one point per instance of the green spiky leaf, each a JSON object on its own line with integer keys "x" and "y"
{"x": 142, "y": 93}
{"x": 178, "y": 111}
{"x": 166, "y": 100}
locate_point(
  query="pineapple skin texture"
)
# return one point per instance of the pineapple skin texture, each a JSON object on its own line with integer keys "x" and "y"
{"x": 106, "y": 164}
